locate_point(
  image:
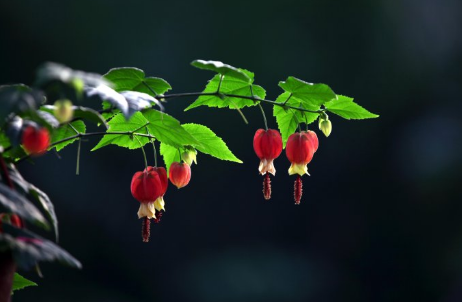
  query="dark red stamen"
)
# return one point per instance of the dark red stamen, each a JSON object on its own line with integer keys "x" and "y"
{"x": 158, "y": 216}
{"x": 146, "y": 229}
{"x": 298, "y": 189}
{"x": 267, "y": 187}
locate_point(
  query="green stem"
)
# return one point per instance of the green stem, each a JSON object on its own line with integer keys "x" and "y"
{"x": 77, "y": 169}
{"x": 240, "y": 112}
{"x": 290, "y": 95}
{"x": 77, "y": 136}
{"x": 253, "y": 98}
{"x": 144, "y": 153}
{"x": 298, "y": 122}
{"x": 155, "y": 153}
{"x": 264, "y": 116}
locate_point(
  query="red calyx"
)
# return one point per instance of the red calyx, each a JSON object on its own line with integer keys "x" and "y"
{"x": 150, "y": 184}
{"x": 180, "y": 174}
{"x": 35, "y": 140}
{"x": 301, "y": 147}
{"x": 267, "y": 144}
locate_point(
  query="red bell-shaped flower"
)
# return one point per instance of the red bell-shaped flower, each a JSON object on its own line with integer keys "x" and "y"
{"x": 268, "y": 146}
{"x": 149, "y": 187}
{"x": 180, "y": 174}
{"x": 35, "y": 140}
{"x": 300, "y": 149}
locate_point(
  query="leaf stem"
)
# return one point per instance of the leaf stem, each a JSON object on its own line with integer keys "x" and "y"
{"x": 290, "y": 95}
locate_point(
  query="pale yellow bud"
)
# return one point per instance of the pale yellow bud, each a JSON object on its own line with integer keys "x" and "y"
{"x": 325, "y": 126}
{"x": 189, "y": 156}
{"x": 63, "y": 110}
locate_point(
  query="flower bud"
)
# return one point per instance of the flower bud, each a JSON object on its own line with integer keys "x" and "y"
{"x": 189, "y": 156}
{"x": 63, "y": 110}
{"x": 325, "y": 126}
{"x": 180, "y": 174}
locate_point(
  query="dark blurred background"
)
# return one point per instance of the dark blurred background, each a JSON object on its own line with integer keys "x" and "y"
{"x": 380, "y": 215}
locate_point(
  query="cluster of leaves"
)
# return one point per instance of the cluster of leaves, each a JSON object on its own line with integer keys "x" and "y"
{"x": 129, "y": 106}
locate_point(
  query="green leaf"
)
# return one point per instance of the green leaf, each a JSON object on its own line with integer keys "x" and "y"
{"x": 311, "y": 94}
{"x": 222, "y": 68}
{"x": 19, "y": 98}
{"x": 231, "y": 86}
{"x": 288, "y": 119}
{"x": 210, "y": 143}
{"x": 108, "y": 115}
{"x": 66, "y": 131}
{"x": 28, "y": 248}
{"x": 170, "y": 154}
{"x": 13, "y": 202}
{"x": 89, "y": 114}
{"x": 168, "y": 130}
{"x": 47, "y": 206}
{"x": 118, "y": 123}
{"x": 346, "y": 108}
{"x": 19, "y": 282}
{"x": 34, "y": 192}
{"x": 134, "y": 79}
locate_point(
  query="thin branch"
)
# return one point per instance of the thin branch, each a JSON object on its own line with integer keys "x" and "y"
{"x": 252, "y": 98}
{"x": 77, "y": 136}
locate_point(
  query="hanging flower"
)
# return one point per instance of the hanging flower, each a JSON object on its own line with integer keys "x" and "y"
{"x": 149, "y": 187}
{"x": 300, "y": 149}
{"x": 180, "y": 174}
{"x": 268, "y": 146}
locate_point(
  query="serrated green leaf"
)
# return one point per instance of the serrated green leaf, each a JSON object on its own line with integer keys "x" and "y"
{"x": 230, "y": 86}
{"x": 168, "y": 130}
{"x": 66, "y": 131}
{"x": 34, "y": 192}
{"x": 222, "y": 68}
{"x": 134, "y": 79}
{"x": 89, "y": 114}
{"x": 19, "y": 282}
{"x": 19, "y": 98}
{"x": 28, "y": 248}
{"x": 211, "y": 144}
{"x": 288, "y": 119}
{"x": 108, "y": 115}
{"x": 119, "y": 124}
{"x": 346, "y": 108}
{"x": 13, "y": 202}
{"x": 311, "y": 94}
{"x": 170, "y": 154}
